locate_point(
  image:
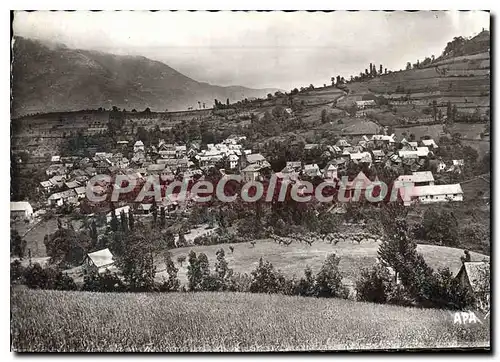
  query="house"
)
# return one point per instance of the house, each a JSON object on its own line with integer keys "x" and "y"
{"x": 429, "y": 143}
{"x": 311, "y": 170}
{"x": 233, "y": 161}
{"x": 46, "y": 185}
{"x": 423, "y": 152}
{"x": 98, "y": 261}
{"x": 21, "y": 210}
{"x": 252, "y": 159}
{"x": 330, "y": 172}
{"x": 81, "y": 192}
{"x": 365, "y": 104}
{"x": 434, "y": 193}
{"x": 57, "y": 181}
{"x": 180, "y": 151}
{"x": 292, "y": 166}
{"x": 139, "y": 146}
{"x": 55, "y": 159}
{"x": 118, "y": 211}
{"x": 357, "y": 186}
{"x": 342, "y": 143}
{"x": 64, "y": 197}
{"x": 251, "y": 173}
{"x": 378, "y": 155}
{"x": 419, "y": 178}
{"x": 361, "y": 157}
{"x": 72, "y": 184}
{"x": 381, "y": 138}
{"x": 475, "y": 277}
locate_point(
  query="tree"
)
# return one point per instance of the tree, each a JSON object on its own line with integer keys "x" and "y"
{"x": 374, "y": 285}
{"x": 408, "y": 66}
{"x": 147, "y": 110}
{"x": 17, "y": 244}
{"x": 324, "y": 116}
{"x": 162, "y": 217}
{"x": 193, "y": 272}
{"x": 380, "y": 70}
{"x": 227, "y": 102}
{"x": 124, "y": 221}
{"x": 221, "y": 266}
{"x": 181, "y": 259}
{"x": 154, "y": 211}
{"x": 329, "y": 279}
{"x": 265, "y": 279}
{"x": 306, "y": 287}
{"x": 172, "y": 284}
{"x": 136, "y": 263}
{"x": 434, "y": 110}
{"x": 114, "y": 220}
{"x": 449, "y": 113}
{"x": 131, "y": 221}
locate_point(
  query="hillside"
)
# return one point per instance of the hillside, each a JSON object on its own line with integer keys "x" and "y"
{"x": 51, "y": 78}
{"x": 81, "y": 321}
{"x": 462, "y": 76}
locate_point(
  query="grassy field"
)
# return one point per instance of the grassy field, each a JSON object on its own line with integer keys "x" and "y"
{"x": 293, "y": 259}
{"x": 82, "y": 321}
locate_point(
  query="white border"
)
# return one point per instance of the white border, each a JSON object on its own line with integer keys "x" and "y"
{"x": 185, "y": 5}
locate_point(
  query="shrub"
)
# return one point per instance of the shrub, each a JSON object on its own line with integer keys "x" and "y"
{"x": 105, "y": 282}
{"x": 374, "y": 285}
{"x": 305, "y": 286}
{"x": 265, "y": 279}
{"x": 239, "y": 282}
{"x": 329, "y": 280}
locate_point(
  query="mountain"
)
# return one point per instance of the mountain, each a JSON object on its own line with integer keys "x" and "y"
{"x": 50, "y": 77}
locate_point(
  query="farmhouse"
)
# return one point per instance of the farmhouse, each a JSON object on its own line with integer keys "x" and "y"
{"x": 98, "y": 261}
{"x": 365, "y": 104}
{"x": 21, "y": 209}
{"x": 437, "y": 193}
{"x": 420, "y": 178}
{"x": 139, "y": 146}
{"x": 475, "y": 277}
{"x": 429, "y": 143}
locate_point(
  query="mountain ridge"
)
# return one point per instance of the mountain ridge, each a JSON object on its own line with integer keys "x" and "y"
{"x": 54, "y": 78}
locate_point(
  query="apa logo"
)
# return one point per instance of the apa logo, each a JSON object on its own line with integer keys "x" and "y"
{"x": 466, "y": 318}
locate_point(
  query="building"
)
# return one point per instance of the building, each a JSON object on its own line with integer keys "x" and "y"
{"x": 118, "y": 211}
{"x": 419, "y": 178}
{"x": 21, "y": 210}
{"x": 365, "y": 104}
{"x": 98, "y": 261}
{"x": 138, "y": 146}
{"x": 475, "y": 277}
{"x": 435, "y": 193}
{"x": 251, "y": 173}
{"x": 429, "y": 143}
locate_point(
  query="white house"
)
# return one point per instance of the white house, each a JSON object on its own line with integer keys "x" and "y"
{"x": 436, "y": 193}
{"x": 98, "y": 261}
{"x": 21, "y": 209}
{"x": 138, "y": 146}
{"x": 419, "y": 178}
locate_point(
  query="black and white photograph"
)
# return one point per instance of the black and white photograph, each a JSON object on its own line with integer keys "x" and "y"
{"x": 250, "y": 181}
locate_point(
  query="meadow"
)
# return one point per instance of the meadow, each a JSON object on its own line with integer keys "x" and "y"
{"x": 81, "y": 321}
{"x": 293, "y": 259}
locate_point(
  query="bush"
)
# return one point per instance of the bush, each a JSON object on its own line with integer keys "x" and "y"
{"x": 374, "y": 285}
{"x": 265, "y": 279}
{"x": 239, "y": 283}
{"x": 105, "y": 282}
{"x": 329, "y": 280}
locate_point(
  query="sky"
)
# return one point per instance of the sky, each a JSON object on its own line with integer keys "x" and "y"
{"x": 258, "y": 49}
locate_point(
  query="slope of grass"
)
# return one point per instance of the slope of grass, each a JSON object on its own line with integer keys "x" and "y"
{"x": 81, "y": 321}
{"x": 294, "y": 258}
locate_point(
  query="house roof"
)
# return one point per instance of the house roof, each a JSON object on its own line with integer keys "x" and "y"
{"x": 433, "y": 190}
{"x": 255, "y": 157}
{"x": 420, "y": 176}
{"x": 72, "y": 184}
{"x": 139, "y": 143}
{"x": 378, "y": 153}
{"x": 80, "y": 190}
{"x": 46, "y": 183}
{"x": 422, "y": 151}
{"x": 101, "y": 258}
{"x": 20, "y": 206}
{"x": 252, "y": 168}
{"x": 476, "y": 271}
{"x": 429, "y": 143}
